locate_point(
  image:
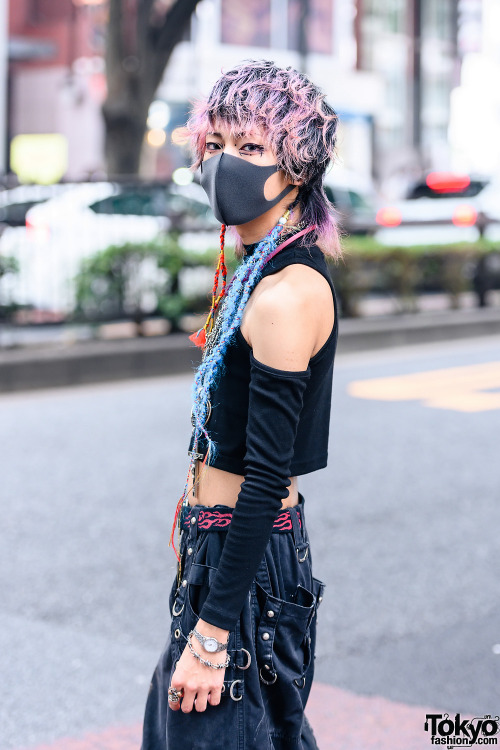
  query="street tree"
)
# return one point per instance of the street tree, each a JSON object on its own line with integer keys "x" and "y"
{"x": 141, "y": 36}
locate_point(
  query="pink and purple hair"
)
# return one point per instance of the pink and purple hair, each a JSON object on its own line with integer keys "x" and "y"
{"x": 300, "y": 128}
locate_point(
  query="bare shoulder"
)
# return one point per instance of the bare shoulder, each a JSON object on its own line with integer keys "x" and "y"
{"x": 288, "y": 317}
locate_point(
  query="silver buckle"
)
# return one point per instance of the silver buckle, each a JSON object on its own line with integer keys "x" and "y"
{"x": 231, "y": 691}
{"x": 249, "y": 659}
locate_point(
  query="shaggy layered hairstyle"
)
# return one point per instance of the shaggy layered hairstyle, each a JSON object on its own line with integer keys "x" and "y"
{"x": 297, "y": 123}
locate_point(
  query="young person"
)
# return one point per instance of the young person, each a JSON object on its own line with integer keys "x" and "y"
{"x": 238, "y": 666}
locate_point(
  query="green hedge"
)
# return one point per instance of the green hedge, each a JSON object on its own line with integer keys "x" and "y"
{"x": 113, "y": 283}
{"x": 7, "y": 265}
{"x": 406, "y": 272}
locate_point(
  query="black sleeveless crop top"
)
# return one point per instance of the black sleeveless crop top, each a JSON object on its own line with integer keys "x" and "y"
{"x": 268, "y": 425}
{"x": 228, "y": 420}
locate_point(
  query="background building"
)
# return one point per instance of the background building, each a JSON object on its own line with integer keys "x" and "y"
{"x": 56, "y": 76}
{"x": 320, "y": 41}
{"x": 412, "y": 47}
{"x": 475, "y": 102}
{"x": 413, "y": 81}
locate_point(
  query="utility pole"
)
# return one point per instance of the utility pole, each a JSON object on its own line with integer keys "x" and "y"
{"x": 416, "y": 23}
{"x": 4, "y": 69}
{"x": 303, "y": 34}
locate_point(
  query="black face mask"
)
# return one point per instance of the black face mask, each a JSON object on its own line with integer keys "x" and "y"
{"x": 235, "y": 188}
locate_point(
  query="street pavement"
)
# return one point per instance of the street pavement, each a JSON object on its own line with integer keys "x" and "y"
{"x": 404, "y": 529}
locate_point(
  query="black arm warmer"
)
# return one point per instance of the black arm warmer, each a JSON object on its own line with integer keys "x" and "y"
{"x": 275, "y": 402}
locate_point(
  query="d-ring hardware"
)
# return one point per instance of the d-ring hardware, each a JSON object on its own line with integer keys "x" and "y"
{"x": 297, "y": 682}
{"x": 268, "y": 682}
{"x": 302, "y": 559}
{"x": 175, "y": 612}
{"x": 231, "y": 689}
{"x": 249, "y": 659}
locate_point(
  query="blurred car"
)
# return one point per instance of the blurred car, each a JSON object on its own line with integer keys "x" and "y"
{"x": 15, "y": 203}
{"x": 442, "y": 208}
{"x": 355, "y": 199}
{"x": 109, "y": 213}
{"x": 89, "y": 217}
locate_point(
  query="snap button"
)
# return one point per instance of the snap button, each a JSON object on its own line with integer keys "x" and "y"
{"x": 190, "y": 551}
{"x": 265, "y": 636}
{"x": 320, "y": 598}
{"x": 184, "y": 583}
{"x": 270, "y": 613}
{"x": 193, "y": 519}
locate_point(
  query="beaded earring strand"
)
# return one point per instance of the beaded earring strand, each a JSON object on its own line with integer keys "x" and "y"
{"x": 215, "y": 340}
{"x": 200, "y": 337}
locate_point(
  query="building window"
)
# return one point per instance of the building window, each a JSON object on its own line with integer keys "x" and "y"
{"x": 46, "y": 11}
{"x": 247, "y": 23}
{"x": 319, "y": 25}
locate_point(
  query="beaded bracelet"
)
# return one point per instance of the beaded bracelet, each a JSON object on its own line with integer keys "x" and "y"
{"x": 206, "y": 662}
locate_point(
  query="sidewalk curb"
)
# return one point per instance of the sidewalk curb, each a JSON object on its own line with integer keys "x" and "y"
{"x": 100, "y": 361}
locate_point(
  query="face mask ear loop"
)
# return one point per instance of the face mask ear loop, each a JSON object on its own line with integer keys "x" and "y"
{"x": 200, "y": 337}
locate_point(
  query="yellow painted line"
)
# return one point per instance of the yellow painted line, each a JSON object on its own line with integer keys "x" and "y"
{"x": 469, "y": 388}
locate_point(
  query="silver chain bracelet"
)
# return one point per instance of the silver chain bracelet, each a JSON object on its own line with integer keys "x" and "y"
{"x": 206, "y": 662}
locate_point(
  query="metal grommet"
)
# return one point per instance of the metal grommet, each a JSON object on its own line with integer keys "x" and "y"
{"x": 177, "y": 633}
{"x": 297, "y": 682}
{"x": 231, "y": 689}
{"x": 268, "y": 682}
{"x": 302, "y": 559}
{"x": 175, "y": 612}
{"x": 249, "y": 659}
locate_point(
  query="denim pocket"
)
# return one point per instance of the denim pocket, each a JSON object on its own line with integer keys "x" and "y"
{"x": 198, "y": 587}
{"x": 283, "y": 642}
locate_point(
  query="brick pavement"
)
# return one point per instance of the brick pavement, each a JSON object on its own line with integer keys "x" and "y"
{"x": 341, "y": 721}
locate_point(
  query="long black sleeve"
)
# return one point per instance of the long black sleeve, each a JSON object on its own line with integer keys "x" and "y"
{"x": 275, "y": 402}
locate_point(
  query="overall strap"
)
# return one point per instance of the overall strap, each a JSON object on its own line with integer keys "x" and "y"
{"x": 289, "y": 240}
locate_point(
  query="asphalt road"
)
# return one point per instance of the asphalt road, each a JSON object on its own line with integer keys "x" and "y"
{"x": 404, "y": 526}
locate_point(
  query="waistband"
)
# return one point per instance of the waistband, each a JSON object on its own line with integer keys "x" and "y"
{"x": 219, "y": 518}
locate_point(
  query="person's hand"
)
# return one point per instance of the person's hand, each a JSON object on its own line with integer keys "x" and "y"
{"x": 202, "y": 685}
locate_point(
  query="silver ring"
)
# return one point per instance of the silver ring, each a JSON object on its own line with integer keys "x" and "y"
{"x": 231, "y": 691}
{"x": 175, "y": 612}
{"x": 267, "y": 682}
{"x": 249, "y": 659}
{"x": 297, "y": 682}
{"x": 175, "y": 694}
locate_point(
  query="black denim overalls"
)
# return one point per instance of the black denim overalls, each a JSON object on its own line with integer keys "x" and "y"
{"x": 268, "y": 680}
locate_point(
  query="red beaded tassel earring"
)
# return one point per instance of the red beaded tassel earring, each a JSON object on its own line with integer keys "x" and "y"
{"x": 200, "y": 337}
